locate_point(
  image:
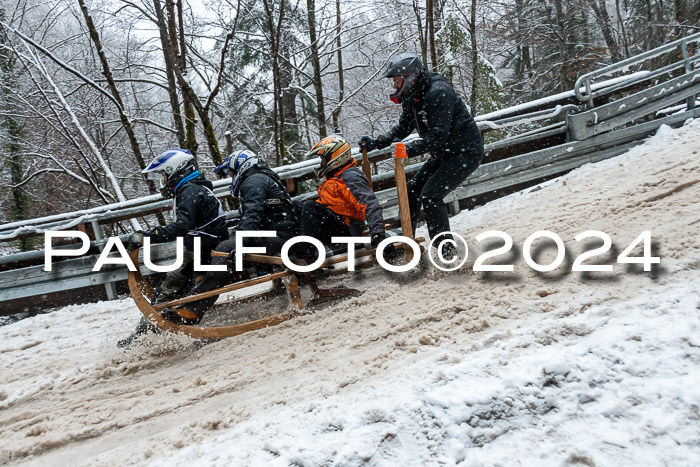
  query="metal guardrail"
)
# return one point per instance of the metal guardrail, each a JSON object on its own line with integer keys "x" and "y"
{"x": 154, "y": 203}
{"x": 587, "y": 130}
{"x": 584, "y": 88}
{"x": 628, "y": 109}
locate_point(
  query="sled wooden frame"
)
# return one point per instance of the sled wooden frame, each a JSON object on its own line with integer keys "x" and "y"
{"x": 141, "y": 292}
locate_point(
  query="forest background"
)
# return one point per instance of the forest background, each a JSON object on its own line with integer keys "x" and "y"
{"x": 90, "y": 92}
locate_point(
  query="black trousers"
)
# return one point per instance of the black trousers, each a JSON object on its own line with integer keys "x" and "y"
{"x": 318, "y": 221}
{"x": 435, "y": 180}
{"x": 215, "y": 279}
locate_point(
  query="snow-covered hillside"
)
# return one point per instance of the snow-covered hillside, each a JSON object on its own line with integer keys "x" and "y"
{"x": 466, "y": 368}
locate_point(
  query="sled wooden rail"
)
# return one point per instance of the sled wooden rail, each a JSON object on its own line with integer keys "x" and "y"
{"x": 277, "y": 260}
{"x": 142, "y": 292}
{"x": 264, "y": 259}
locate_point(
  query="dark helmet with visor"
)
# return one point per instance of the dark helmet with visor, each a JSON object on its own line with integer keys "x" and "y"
{"x": 234, "y": 166}
{"x": 409, "y": 67}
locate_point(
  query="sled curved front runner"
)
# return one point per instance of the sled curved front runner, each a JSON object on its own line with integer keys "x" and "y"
{"x": 141, "y": 292}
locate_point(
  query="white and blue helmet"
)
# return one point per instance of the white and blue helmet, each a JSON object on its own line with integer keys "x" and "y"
{"x": 235, "y": 166}
{"x": 171, "y": 168}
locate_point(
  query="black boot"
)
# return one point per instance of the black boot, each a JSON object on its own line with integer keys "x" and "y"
{"x": 449, "y": 252}
{"x": 144, "y": 327}
{"x": 174, "y": 317}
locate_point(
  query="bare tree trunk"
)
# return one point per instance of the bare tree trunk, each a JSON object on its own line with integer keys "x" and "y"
{"x": 474, "y": 98}
{"x": 649, "y": 39}
{"x": 601, "y": 14}
{"x": 421, "y": 34}
{"x": 201, "y": 109}
{"x": 106, "y": 71}
{"x": 170, "y": 73}
{"x": 430, "y": 23}
{"x": 316, "y": 64}
{"x": 560, "y": 28}
{"x": 190, "y": 117}
{"x": 278, "y": 111}
{"x": 290, "y": 128}
{"x": 341, "y": 75}
{"x": 623, "y": 29}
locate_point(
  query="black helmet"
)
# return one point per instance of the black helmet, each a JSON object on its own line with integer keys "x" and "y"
{"x": 171, "y": 168}
{"x": 409, "y": 67}
{"x": 235, "y": 166}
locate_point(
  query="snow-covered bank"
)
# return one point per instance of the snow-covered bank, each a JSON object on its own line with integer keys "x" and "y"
{"x": 481, "y": 369}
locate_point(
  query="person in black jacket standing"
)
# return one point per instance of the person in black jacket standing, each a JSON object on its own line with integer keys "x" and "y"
{"x": 265, "y": 204}
{"x": 196, "y": 212}
{"x": 447, "y": 130}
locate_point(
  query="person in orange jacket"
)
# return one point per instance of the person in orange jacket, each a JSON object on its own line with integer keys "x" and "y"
{"x": 346, "y": 204}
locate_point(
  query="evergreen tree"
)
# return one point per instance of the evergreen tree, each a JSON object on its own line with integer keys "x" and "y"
{"x": 455, "y": 65}
{"x": 248, "y": 91}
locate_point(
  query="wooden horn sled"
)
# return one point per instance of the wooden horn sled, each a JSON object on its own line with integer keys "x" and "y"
{"x": 142, "y": 292}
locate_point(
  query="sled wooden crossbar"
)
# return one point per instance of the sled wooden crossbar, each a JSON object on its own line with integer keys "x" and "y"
{"x": 276, "y": 260}
{"x": 222, "y": 290}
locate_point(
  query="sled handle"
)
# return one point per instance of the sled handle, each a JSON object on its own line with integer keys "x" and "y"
{"x": 365, "y": 166}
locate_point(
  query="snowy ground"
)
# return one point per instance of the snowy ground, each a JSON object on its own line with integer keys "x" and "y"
{"x": 464, "y": 368}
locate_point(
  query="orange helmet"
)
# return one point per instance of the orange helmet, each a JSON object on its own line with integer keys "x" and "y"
{"x": 334, "y": 152}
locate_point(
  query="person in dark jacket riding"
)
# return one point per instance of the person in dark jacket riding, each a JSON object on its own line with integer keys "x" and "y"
{"x": 264, "y": 205}
{"x": 196, "y": 212}
{"x": 447, "y": 130}
{"x": 346, "y": 204}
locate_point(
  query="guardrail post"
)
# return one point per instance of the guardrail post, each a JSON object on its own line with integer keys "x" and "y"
{"x": 690, "y": 101}
{"x": 109, "y": 286}
{"x": 453, "y": 207}
{"x": 590, "y": 104}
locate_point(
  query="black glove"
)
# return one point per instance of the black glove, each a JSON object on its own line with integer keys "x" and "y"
{"x": 377, "y": 239}
{"x": 383, "y": 141}
{"x": 136, "y": 241}
{"x": 367, "y": 142}
{"x": 412, "y": 149}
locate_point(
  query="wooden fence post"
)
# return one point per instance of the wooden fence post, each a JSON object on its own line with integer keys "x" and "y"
{"x": 402, "y": 193}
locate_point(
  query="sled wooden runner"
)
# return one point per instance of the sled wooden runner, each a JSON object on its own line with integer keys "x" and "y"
{"x": 141, "y": 293}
